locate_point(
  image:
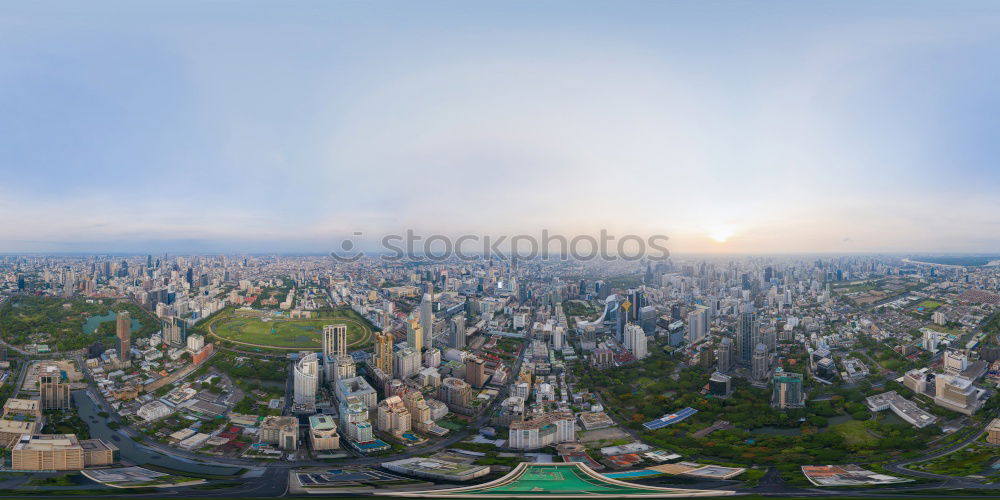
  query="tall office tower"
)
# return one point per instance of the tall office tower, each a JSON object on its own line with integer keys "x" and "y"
{"x": 759, "y": 369}
{"x": 407, "y": 363}
{"x": 697, "y": 325}
{"x": 476, "y": 373}
{"x": 747, "y": 334}
{"x": 344, "y": 368}
{"x": 427, "y": 318}
{"x": 638, "y": 301}
{"x": 557, "y": 337}
{"x": 383, "y": 353}
{"x": 771, "y": 339}
{"x": 621, "y": 318}
{"x": 124, "y": 330}
{"x": 386, "y": 320}
{"x": 457, "y": 339}
{"x": 54, "y": 393}
{"x": 70, "y": 285}
{"x": 647, "y": 319}
{"x": 334, "y": 341}
{"x": 174, "y": 331}
{"x": 306, "y": 379}
{"x": 415, "y": 336}
{"x": 725, "y": 355}
{"x": 787, "y": 391}
{"x": 635, "y": 340}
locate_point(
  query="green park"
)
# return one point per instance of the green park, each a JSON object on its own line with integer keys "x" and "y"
{"x": 278, "y": 331}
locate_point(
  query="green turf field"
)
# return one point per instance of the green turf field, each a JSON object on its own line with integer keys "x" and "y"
{"x": 542, "y": 480}
{"x": 289, "y": 333}
{"x": 928, "y": 306}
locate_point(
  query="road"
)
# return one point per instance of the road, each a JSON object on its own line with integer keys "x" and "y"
{"x": 900, "y": 466}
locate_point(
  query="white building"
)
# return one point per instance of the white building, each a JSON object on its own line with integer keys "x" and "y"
{"x": 955, "y": 362}
{"x": 306, "y": 379}
{"x": 195, "y": 342}
{"x": 548, "y": 429}
{"x": 154, "y": 410}
{"x": 407, "y": 363}
{"x": 635, "y": 340}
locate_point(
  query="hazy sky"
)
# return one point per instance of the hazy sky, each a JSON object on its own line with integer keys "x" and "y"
{"x": 243, "y": 126}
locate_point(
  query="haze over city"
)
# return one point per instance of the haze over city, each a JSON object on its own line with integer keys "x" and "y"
{"x": 728, "y": 126}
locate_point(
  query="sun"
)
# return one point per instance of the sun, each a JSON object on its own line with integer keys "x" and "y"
{"x": 721, "y": 234}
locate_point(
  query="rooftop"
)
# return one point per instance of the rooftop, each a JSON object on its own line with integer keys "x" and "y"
{"x": 559, "y": 480}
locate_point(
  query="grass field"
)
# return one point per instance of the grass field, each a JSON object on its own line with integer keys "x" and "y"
{"x": 854, "y": 432}
{"x": 290, "y": 333}
{"x": 927, "y": 306}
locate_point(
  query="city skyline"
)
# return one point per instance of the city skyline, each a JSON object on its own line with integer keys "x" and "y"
{"x": 792, "y": 128}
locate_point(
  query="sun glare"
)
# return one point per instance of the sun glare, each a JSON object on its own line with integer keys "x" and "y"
{"x": 720, "y": 234}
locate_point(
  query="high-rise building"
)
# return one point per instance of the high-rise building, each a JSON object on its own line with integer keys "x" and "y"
{"x": 457, "y": 332}
{"x": 787, "y": 391}
{"x": 420, "y": 411}
{"x": 334, "y": 340}
{"x": 432, "y": 357}
{"x": 344, "y": 368}
{"x": 124, "y": 330}
{"x": 306, "y": 379}
{"x": 455, "y": 392}
{"x": 543, "y": 430}
{"x": 635, "y": 340}
{"x": 323, "y": 433}
{"x": 956, "y": 393}
{"x": 697, "y": 323}
{"x": 415, "y": 336}
{"x": 475, "y": 373}
{"x": 393, "y": 416}
{"x": 427, "y": 318}
{"x": 725, "y": 355}
{"x": 334, "y": 347}
{"x": 557, "y": 337}
{"x": 407, "y": 363}
{"x": 174, "y": 331}
{"x": 354, "y": 420}
{"x": 280, "y": 431}
{"x": 383, "y": 353}
{"x": 54, "y": 393}
{"x": 647, "y": 319}
{"x": 759, "y": 364}
{"x": 747, "y": 334}
{"x": 720, "y": 384}
{"x": 993, "y": 432}
{"x": 955, "y": 362}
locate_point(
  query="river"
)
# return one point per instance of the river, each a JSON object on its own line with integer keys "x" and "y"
{"x": 133, "y": 452}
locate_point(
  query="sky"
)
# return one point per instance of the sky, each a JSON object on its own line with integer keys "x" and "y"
{"x": 743, "y": 127}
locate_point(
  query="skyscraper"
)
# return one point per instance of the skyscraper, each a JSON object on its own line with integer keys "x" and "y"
{"x": 787, "y": 391}
{"x": 725, "y": 355}
{"x": 174, "y": 332}
{"x": 415, "y": 336}
{"x": 427, "y": 318}
{"x": 54, "y": 393}
{"x": 334, "y": 341}
{"x": 760, "y": 363}
{"x": 457, "y": 331}
{"x": 635, "y": 340}
{"x": 124, "y": 330}
{"x": 476, "y": 372}
{"x": 697, "y": 321}
{"x": 306, "y": 379}
{"x": 383, "y": 353}
{"x": 747, "y": 334}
